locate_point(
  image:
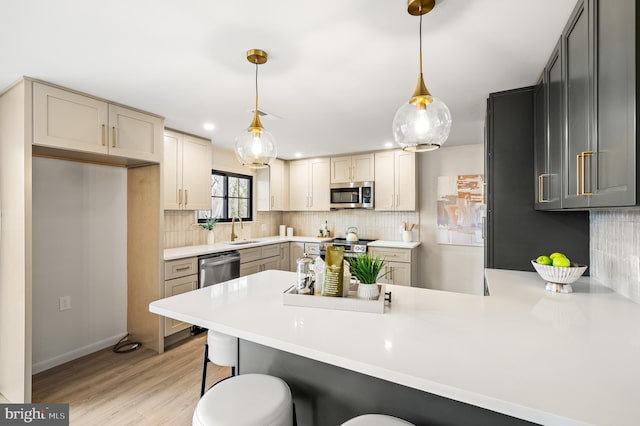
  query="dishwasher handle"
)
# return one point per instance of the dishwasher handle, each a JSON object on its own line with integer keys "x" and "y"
{"x": 219, "y": 258}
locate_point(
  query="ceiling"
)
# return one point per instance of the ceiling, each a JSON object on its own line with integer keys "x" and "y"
{"x": 337, "y": 70}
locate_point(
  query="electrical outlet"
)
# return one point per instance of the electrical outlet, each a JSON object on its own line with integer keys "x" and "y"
{"x": 65, "y": 303}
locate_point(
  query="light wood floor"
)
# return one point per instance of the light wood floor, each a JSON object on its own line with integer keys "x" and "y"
{"x": 136, "y": 388}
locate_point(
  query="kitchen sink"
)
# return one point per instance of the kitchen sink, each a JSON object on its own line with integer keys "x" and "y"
{"x": 240, "y": 243}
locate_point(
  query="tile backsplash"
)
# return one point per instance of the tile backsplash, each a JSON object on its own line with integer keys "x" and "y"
{"x": 371, "y": 224}
{"x": 181, "y": 229}
{"x": 615, "y": 250}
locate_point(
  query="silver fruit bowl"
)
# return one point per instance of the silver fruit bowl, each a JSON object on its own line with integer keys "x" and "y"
{"x": 558, "y": 278}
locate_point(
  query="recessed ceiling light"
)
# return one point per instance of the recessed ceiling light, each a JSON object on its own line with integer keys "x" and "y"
{"x": 209, "y": 126}
{"x": 388, "y": 145}
{"x": 297, "y": 154}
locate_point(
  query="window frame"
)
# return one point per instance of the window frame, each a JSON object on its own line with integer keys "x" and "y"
{"x": 226, "y": 175}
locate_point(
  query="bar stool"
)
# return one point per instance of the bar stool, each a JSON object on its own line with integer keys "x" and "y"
{"x": 248, "y": 400}
{"x": 376, "y": 420}
{"x": 221, "y": 349}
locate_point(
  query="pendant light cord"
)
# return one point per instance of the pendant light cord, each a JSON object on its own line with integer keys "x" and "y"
{"x": 420, "y": 44}
{"x": 256, "y": 88}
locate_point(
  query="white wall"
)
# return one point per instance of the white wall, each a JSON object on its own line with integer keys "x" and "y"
{"x": 447, "y": 267}
{"x": 79, "y": 250}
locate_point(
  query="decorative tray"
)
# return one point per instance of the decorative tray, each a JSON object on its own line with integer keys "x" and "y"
{"x": 350, "y": 303}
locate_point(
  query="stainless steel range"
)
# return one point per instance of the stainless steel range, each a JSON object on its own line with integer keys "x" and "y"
{"x": 351, "y": 248}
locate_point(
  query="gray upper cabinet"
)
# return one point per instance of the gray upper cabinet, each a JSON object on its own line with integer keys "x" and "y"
{"x": 614, "y": 177}
{"x": 549, "y": 134}
{"x": 577, "y": 95}
{"x": 590, "y": 95}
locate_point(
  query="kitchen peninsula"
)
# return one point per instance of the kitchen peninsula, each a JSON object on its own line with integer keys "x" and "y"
{"x": 520, "y": 353}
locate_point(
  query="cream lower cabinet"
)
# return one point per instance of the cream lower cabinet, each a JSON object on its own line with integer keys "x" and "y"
{"x": 180, "y": 276}
{"x": 284, "y": 257}
{"x": 395, "y": 173}
{"x": 258, "y": 259}
{"x": 187, "y": 172}
{"x": 401, "y": 267}
{"x": 273, "y": 187}
{"x": 68, "y": 120}
{"x": 309, "y": 182}
{"x": 297, "y": 250}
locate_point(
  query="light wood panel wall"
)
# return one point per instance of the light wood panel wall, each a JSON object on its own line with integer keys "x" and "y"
{"x": 144, "y": 254}
{"x": 15, "y": 244}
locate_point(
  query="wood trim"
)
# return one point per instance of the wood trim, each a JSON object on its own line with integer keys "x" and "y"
{"x": 144, "y": 255}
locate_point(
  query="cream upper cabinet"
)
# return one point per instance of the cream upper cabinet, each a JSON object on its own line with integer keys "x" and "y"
{"x": 134, "y": 134}
{"x": 71, "y": 121}
{"x": 187, "y": 172}
{"x": 395, "y": 177}
{"x": 273, "y": 187}
{"x": 353, "y": 168}
{"x": 309, "y": 182}
{"x": 67, "y": 120}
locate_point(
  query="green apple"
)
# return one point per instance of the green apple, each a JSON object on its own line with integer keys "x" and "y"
{"x": 544, "y": 260}
{"x": 556, "y": 254}
{"x": 561, "y": 261}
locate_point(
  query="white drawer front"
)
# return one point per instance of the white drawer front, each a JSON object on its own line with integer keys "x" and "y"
{"x": 391, "y": 254}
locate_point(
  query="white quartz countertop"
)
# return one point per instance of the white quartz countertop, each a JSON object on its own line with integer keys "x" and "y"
{"x": 394, "y": 244}
{"x": 189, "y": 251}
{"x": 548, "y": 358}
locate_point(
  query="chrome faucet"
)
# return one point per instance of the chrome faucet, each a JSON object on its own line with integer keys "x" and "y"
{"x": 233, "y": 234}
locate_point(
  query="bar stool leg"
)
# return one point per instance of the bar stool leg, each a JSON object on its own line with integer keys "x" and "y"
{"x": 205, "y": 360}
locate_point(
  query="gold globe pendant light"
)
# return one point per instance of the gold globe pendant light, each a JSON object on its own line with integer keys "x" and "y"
{"x": 423, "y": 123}
{"x": 255, "y": 147}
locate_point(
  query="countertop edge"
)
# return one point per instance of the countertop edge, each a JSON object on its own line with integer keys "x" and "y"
{"x": 198, "y": 250}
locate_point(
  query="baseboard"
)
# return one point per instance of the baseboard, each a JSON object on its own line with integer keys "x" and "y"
{"x": 76, "y": 353}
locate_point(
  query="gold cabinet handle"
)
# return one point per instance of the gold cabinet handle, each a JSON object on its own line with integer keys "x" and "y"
{"x": 186, "y": 197}
{"x": 179, "y": 197}
{"x": 541, "y": 198}
{"x": 581, "y": 174}
{"x": 272, "y": 201}
{"x": 114, "y": 141}
{"x": 104, "y": 135}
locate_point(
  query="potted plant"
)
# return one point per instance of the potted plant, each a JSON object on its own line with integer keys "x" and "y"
{"x": 208, "y": 224}
{"x": 367, "y": 270}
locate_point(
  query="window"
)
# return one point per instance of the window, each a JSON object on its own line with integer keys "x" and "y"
{"x": 231, "y": 195}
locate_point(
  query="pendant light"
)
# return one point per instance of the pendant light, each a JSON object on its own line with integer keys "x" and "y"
{"x": 255, "y": 147}
{"x": 423, "y": 123}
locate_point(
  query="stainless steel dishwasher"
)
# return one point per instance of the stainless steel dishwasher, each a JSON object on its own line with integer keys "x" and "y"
{"x": 218, "y": 267}
{"x": 214, "y": 269}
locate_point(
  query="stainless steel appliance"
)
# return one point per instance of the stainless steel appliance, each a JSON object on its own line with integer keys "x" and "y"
{"x": 351, "y": 248}
{"x": 354, "y": 195}
{"x": 218, "y": 267}
{"x": 214, "y": 269}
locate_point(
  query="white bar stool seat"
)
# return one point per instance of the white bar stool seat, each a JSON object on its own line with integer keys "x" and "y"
{"x": 247, "y": 400}
{"x": 221, "y": 349}
{"x": 376, "y": 420}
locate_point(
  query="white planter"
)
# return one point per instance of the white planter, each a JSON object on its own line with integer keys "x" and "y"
{"x": 210, "y": 238}
{"x": 368, "y": 291}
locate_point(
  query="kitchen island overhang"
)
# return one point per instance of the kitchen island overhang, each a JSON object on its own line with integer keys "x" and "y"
{"x": 521, "y": 352}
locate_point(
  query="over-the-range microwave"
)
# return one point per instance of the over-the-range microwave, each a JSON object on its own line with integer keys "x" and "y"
{"x": 354, "y": 195}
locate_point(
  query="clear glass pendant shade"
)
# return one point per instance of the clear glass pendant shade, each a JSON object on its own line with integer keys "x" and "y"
{"x": 422, "y": 124}
{"x": 255, "y": 148}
